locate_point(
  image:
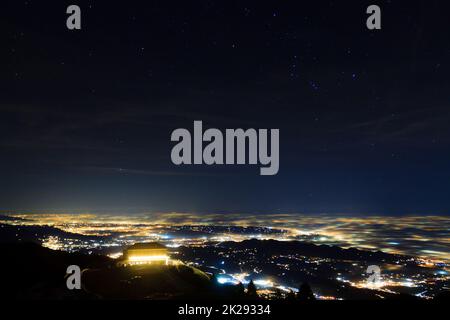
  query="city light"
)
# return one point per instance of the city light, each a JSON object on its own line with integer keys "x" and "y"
{"x": 111, "y": 235}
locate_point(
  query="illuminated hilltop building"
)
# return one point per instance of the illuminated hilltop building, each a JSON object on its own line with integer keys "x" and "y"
{"x": 146, "y": 253}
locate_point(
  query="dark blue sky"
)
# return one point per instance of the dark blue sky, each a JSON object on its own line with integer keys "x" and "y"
{"x": 86, "y": 116}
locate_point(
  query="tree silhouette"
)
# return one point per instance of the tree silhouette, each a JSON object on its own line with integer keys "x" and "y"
{"x": 305, "y": 293}
{"x": 240, "y": 289}
{"x": 291, "y": 296}
{"x": 251, "y": 290}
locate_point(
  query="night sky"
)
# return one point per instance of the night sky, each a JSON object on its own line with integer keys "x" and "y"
{"x": 86, "y": 116}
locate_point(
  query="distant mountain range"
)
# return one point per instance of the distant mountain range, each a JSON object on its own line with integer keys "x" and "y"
{"x": 270, "y": 247}
{"x": 14, "y": 233}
